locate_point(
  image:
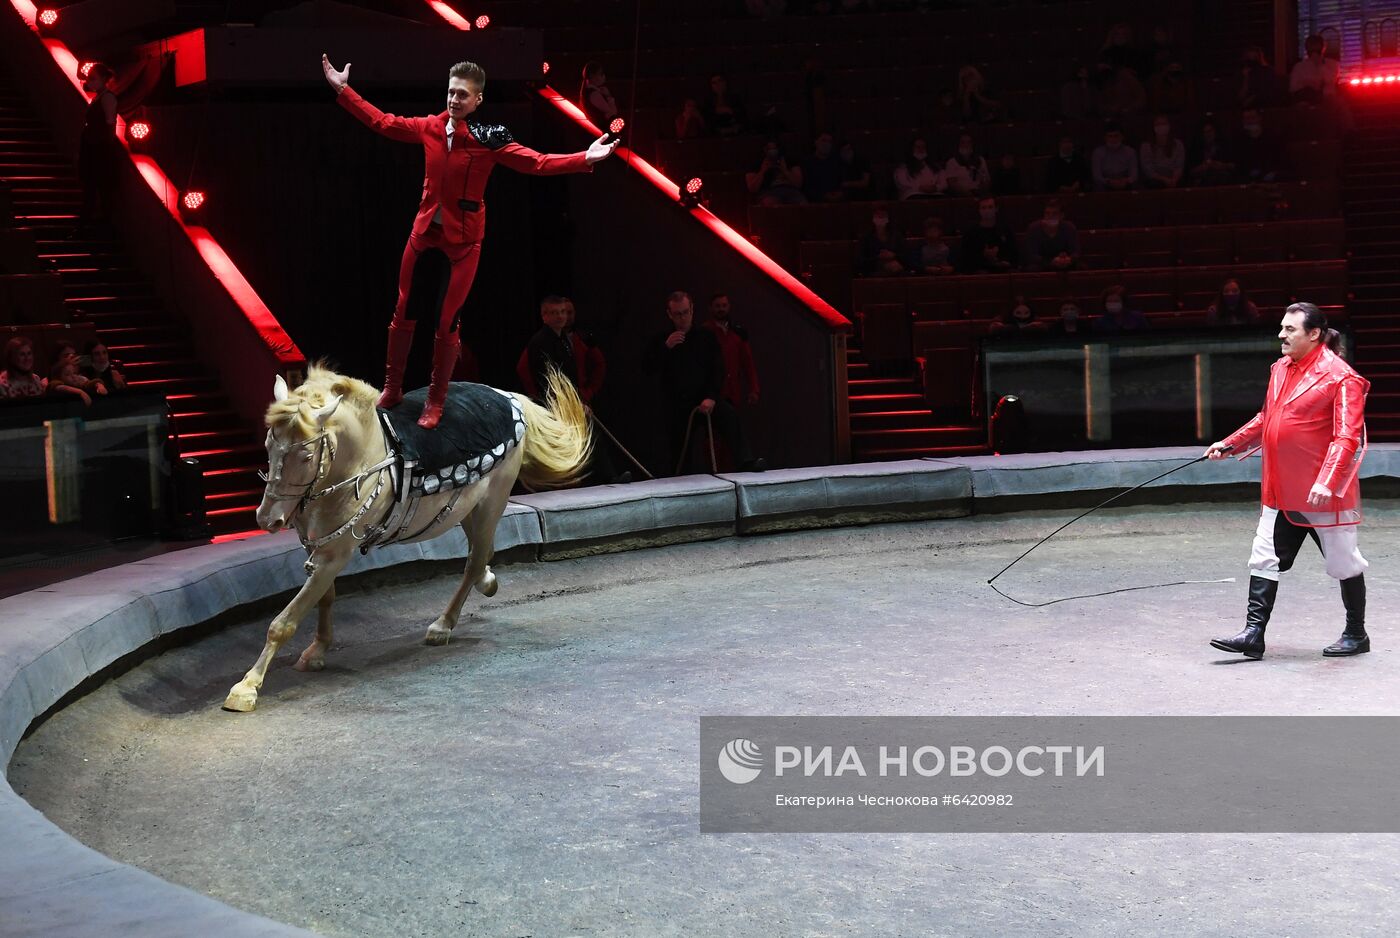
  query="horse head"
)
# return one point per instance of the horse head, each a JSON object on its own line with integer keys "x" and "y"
{"x": 300, "y": 451}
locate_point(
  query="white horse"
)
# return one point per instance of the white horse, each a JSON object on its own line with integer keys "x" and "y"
{"x": 332, "y": 476}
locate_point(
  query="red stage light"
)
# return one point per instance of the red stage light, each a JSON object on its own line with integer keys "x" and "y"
{"x": 1367, "y": 80}
{"x": 694, "y": 185}
{"x": 48, "y": 17}
{"x": 139, "y": 130}
{"x": 86, "y": 68}
{"x": 483, "y": 21}
{"x": 1356, "y": 81}
{"x": 546, "y": 68}
{"x": 193, "y": 200}
{"x": 617, "y": 125}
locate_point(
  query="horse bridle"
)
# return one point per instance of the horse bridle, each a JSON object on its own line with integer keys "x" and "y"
{"x": 323, "y": 467}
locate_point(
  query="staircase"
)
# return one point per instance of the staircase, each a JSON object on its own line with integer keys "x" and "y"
{"x": 1371, "y": 205}
{"x": 891, "y": 420}
{"x": 101, "y": 286}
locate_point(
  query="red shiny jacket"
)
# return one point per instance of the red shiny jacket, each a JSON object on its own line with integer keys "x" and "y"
{"x": 588, "y": 360}
{"x": 1315, "y": 434}
{"x": 740, "y": 375}
{"x": 451, "y": 178}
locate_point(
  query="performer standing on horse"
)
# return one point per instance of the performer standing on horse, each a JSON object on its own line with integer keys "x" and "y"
{"x": 458, "y": 156}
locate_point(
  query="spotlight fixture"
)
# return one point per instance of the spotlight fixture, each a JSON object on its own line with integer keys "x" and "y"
{"x": 138, "y": 130}
{"x": 545, "y": 68}
{"x": 693, "y": 192}
{"x": 48, "y": 18}
{"x": 483, "y": 21}
{"x": 614, "y": 129}
{"x": 192, "y": 201}
{"x": 86, "y": 69}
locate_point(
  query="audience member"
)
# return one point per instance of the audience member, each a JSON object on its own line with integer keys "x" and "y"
{"x": 1020, "y": 321}
{"x": 1006, "y": 178}
{"x": 882, "y": 247}
{"x": 1118, "y": 51}
{"x": 1079, "y": 97}
{"x": 690, "y": 123}
{"x": 691, "y": 366}
{"x": 101, "y": 367}
{"x": 1115, "y": 166}
{"x": 1163, "y": 52}
{"x": 1211, "y": 163}
{"x": 915, "y": 178}
{"x": 1052, "y": 243}
{"x": 821, "y": 172}
{"x": 935, "y": 256}
{"x": 1163, "y": 158}
{"x": 550, "y": 347}
{"x": 19, "y": 379}
{"x": 595, "y": 98}
{"x": 990, "y": 247}
{"x": 1232, "y": 307}
{"x": 723, "y": 109}
{"x": 1069, "y": 323}
{"x": 1259, "y": 84}
{"x": 588, "y": 357}
{"x": 973, "y": 103}
{"x": 966, "y": 171}
{"x": 1171, "y": 90}
{"x": 1258, "y": 153}
{"x": 64, "y": 376}
{"x": 1116, "y": 315}
{"x": 1314, "y": 79}
{"x": 98, "y": 148}
{"x": 1067, "y": 171}
{"x": 774, "y": 182}
{"x": 855, "y": 174}
{"x": 740, "y": 375}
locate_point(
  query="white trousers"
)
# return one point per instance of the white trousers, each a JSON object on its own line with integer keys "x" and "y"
{"x": 1277, "y": 541}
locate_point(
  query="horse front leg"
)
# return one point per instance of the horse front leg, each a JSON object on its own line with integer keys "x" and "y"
{"x": 314, "y": 657}
{"x": 480, "y": 528}
{"x": 324, "y": 567}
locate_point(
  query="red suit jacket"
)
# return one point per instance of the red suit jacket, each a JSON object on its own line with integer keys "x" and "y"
{"x": 459, "y": 176}
{"x": 740, "y": 376}
{"x": 1316, "y": 435}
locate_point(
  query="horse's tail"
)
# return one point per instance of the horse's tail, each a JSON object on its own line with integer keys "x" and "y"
{"x": 557, "y": 438}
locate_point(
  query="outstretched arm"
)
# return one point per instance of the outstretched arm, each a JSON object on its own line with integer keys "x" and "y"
{"x": 524, "y": 160}
{"x": 403, "y": 129}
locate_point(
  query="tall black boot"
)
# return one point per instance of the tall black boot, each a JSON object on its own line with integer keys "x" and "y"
{"x": 1250, "y": 641}
{"x": 1354, "y": 640}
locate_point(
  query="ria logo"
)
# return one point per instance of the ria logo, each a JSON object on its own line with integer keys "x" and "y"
{"x": 740, "y": 761}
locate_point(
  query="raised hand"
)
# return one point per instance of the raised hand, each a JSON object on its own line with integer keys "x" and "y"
{"x": 338, "y": 80}
{"x": 599, "y": 149}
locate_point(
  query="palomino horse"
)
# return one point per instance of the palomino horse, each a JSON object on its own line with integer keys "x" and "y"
{"x": 343, "y": 483}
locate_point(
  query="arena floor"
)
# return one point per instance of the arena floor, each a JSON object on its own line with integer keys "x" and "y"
{"x": 538, "y": 775}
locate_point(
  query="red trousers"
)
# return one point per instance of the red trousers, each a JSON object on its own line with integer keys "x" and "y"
{"x": 462, "y": 257}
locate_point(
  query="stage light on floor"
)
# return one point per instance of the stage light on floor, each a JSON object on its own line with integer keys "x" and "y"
{"x": 693, "y": 192}
{"x": 138, "y": 130}
{"x": 483, "y": 21}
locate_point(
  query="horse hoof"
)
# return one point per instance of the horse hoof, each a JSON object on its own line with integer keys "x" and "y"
{"x": 437, "y": 635}
{"x": 311, "y": 664}
{"x": 241, "y": 700}
{"x": 488, "y": 584}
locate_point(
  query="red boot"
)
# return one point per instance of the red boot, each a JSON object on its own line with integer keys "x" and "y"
{"x": 445, "y": 351}
{"x": 400, "y": 341}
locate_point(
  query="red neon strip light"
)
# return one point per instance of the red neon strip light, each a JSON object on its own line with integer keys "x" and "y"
{"x": 214, "y": 256}
{"x": 738, "y": 242}
{"x": 820, "y": 307}
{"x": 452, "y": 16}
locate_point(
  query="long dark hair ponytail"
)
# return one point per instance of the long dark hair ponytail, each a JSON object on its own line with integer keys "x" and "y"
{"x": 1314, "y": 318}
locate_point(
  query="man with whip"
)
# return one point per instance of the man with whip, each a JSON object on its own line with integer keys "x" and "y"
{"x": 1313, "y": 434}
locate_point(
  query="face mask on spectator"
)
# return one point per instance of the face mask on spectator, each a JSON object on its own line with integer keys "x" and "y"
{"x": 965, "y": 152}
{"x": 920, "y": 154}
{"x": 1051, "y": 221}
{"x": 772, "y": 153}
{"x": 1162, "y": 129}
{"x": 1114, "y": 306}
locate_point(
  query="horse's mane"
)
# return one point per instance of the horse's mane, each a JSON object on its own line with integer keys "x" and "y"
{"x": 315, "y": 392}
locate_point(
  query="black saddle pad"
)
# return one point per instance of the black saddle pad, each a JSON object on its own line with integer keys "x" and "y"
{"x": 479, "y": 426}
